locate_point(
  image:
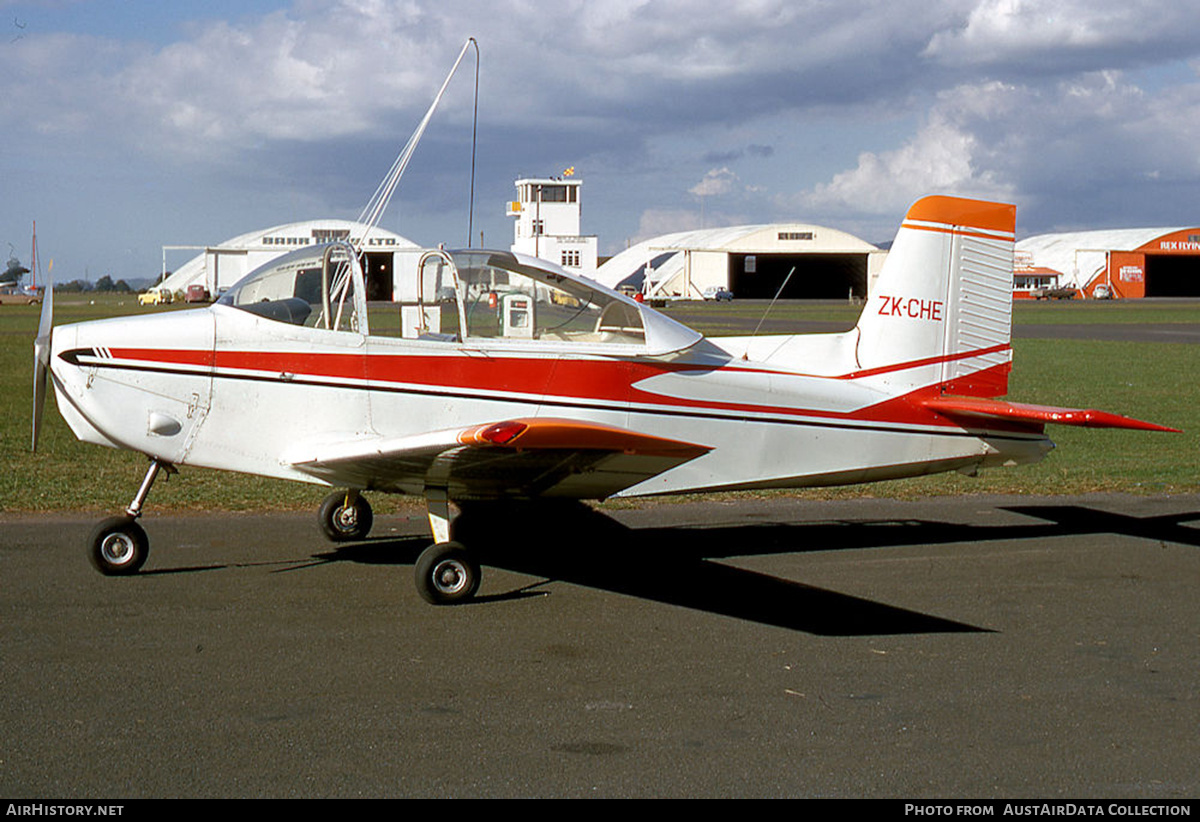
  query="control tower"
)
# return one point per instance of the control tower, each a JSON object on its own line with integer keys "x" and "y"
{"x": 547, "y": 225}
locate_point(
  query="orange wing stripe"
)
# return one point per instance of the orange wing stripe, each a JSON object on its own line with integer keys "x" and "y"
{"x": 544, "y": 433}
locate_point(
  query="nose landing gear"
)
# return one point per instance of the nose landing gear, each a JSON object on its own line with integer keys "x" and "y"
{"x": 118, "y": 545}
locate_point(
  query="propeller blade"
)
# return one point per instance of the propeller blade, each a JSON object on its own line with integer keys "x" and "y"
{"x": 41, "y": 357}
{"x": 39, "y": 394}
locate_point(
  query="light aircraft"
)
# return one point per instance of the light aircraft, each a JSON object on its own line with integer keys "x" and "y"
{"x": 506, "y": 377}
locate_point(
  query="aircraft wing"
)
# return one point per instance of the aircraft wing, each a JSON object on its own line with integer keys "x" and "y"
{"x": 1022, "y": 414}
{"x": 526, "y": 457}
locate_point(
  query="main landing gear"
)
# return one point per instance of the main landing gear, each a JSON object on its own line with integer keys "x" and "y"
{"x": 445, "y": 572}
{"x": 118, "y": 545}
{"x": 346, "y": 516}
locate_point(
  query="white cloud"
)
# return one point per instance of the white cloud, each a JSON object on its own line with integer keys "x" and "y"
{"x": 330, "y": 68}
{"x": 722, "y": 182}
{"x": 941, "y": 158}
{"x": 716, "y": 182}
{"x": 655, "y": 222}
{"x": 1052, "y": 31}
{"x": 1085, "y": 143}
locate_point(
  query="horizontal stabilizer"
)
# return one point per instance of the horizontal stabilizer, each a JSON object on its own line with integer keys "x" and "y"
{"x": 979, "y": 408}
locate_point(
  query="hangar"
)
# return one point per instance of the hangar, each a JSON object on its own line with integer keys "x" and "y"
{"x": 1120, "y": 263}
{"x": 750, "y": 261}
{"x": 220, "y": 266}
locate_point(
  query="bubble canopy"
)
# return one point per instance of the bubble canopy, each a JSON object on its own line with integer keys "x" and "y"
{"x": 483, "y": 296}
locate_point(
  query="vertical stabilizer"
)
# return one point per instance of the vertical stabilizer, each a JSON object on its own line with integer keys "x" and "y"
{"x": 941, "y": 310}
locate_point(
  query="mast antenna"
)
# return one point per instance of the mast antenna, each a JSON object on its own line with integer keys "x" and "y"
{"x": 378, "y": 203}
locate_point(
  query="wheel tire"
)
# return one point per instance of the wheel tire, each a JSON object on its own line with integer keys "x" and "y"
{"x": 342, "y": 523}
{"x": 118, "y": 547}
{"x": 446, "y": 574}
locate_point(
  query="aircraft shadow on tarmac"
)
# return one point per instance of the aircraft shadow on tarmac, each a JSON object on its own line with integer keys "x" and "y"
{"x": 573, "y": 543}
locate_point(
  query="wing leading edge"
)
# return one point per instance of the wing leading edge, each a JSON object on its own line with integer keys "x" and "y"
{"x": 525, "y": 457}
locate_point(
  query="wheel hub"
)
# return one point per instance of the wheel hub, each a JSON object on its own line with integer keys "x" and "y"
{"x": 347, "y": 518}
{"x": 450, "y": 576}
{"x": 117, "y": 549}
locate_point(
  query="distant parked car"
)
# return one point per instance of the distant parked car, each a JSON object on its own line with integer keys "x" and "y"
{"x": 718, "y": 293}
{"x": 19, "y": 296}
{"x": 154, "y": 296}
{"x": 196, "y": 294}
{"x": 1054, "y": 293}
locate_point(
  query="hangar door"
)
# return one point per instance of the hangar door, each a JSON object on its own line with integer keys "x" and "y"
{"x": 1172, "y": 275}
{"x": 817, "y": 277}
{"x": 377, "y": 268}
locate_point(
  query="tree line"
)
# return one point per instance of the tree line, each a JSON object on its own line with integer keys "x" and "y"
{"x": 14, "y": 272}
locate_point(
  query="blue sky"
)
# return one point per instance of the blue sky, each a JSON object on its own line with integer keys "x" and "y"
{"x": 133, "y": 125}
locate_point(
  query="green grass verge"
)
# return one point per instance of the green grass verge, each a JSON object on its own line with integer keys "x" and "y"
{"x": 1145, "y": 380}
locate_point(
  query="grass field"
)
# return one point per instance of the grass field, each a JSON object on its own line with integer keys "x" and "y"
{"x": 1146, "y": 380}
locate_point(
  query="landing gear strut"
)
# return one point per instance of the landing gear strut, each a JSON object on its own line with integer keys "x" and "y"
{"x": 118, "y": 545}
{"x": 446, "y": 573}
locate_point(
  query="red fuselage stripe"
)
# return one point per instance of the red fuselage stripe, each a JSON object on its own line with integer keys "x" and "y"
{"x": 904, "y": 366}
{"x": 609, "y": 381}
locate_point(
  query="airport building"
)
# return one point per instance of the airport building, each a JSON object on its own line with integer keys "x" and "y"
{"x": 220, "y": 266}
{"x": 1119, "y": 264}
{"x": 750, "y": 262}
{"x": 548, "y": 214}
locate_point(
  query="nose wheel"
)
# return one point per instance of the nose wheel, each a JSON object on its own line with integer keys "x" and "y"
{"x": 118, "y": 547}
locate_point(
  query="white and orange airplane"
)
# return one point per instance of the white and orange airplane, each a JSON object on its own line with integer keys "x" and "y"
{"x": 506, "y": 377}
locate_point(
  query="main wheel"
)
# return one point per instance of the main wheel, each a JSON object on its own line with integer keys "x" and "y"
{"x": 342, "y": 522}
{"x": 119, "y": 547}
{"x": 446, "y": 574}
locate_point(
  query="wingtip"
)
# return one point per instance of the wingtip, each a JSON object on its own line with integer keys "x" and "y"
{"x": 1118, "y": 421}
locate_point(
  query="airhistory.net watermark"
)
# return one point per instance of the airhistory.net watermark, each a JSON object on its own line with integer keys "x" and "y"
{"x": 46, "y": 809}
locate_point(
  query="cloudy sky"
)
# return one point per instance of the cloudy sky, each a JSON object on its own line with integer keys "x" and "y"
{"x": 133, "y": 124}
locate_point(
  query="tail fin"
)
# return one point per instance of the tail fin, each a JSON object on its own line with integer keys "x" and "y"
{"x": 941, "y": 310}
